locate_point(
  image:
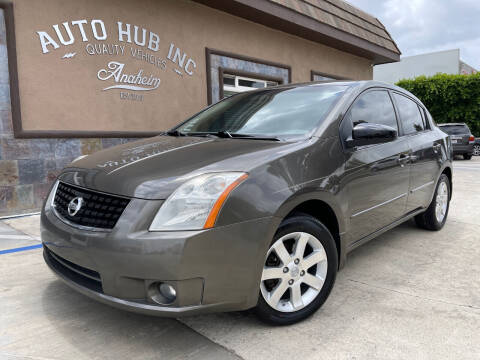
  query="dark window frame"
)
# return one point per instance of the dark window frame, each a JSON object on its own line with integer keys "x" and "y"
{"x": 209, "y": 52}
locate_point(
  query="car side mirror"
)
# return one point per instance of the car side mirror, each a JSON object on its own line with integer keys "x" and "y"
{"x": 366, "y": 133}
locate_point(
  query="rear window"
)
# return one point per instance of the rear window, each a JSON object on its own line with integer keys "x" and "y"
{"x": 455, "y": 129}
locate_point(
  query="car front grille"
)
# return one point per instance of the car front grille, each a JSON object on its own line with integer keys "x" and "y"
{"x": 98, "y": 210}
{"x": 76, "y": 273}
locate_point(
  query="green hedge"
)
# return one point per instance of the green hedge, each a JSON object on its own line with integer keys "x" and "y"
{"x": 449, "y": 98}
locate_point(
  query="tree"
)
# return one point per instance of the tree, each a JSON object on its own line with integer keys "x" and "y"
{"x": 449, "y": 98}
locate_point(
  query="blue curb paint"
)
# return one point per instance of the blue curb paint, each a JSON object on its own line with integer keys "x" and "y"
{"x": 25, "y": 248}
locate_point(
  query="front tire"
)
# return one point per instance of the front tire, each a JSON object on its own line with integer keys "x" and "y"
{"x": 299, "y": 271}
{"x": 436, "y": 214}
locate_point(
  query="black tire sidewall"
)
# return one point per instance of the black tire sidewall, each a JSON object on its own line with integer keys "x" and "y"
{"x": 308, "y": 224}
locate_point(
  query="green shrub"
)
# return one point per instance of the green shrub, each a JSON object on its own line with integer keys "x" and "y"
{"x": 449, "y": 98}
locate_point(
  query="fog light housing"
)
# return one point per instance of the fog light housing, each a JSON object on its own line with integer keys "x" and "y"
{"x": 162, "y": 293}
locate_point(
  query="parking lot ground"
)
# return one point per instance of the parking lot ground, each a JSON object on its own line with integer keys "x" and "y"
{"x": 410, "y": 293}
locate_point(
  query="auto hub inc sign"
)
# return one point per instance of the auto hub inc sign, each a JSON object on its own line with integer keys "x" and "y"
{"x": 117, "y": 45}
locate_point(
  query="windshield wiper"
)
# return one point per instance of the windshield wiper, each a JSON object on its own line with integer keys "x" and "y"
{"x": 175, "y": 133}
{"x": 224, "y": 134}
{"x": 229, "y": 135}
{"x": 253, "y": 137}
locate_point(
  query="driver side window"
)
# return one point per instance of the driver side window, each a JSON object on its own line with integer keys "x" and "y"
{"x": 374, "y": 107}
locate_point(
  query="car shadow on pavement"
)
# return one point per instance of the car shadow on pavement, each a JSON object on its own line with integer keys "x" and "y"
{"x": 99, "y": 331}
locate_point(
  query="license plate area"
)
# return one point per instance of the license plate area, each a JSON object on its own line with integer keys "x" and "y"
{"x": 456, "y": 139}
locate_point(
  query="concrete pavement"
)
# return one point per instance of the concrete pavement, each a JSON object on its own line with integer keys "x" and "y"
{"x": 41, "y": 318}
{"x": 410, "y": 293}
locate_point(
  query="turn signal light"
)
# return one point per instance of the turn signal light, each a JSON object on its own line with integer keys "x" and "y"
{"x": 212, "y": 217}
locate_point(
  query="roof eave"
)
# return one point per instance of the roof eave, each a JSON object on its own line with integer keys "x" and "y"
{"x": 284, "y": 19}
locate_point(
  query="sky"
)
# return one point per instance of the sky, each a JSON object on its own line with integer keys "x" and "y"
{"x": 422, "y": 26}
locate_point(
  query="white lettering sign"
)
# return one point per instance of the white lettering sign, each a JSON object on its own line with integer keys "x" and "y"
{"x": 131, "y": 41}
{"x": 127, "y": 81}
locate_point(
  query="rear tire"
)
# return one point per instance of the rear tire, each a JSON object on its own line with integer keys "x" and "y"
{"x": 299, "y": 271}
{"x": 467, "y": 156}
{"x": 436, "y": 214}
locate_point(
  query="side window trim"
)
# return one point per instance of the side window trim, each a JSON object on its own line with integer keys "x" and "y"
{"x": 397, "y": 113}
{"x": 426, "y": 125}
{"x": 427, "y": 120}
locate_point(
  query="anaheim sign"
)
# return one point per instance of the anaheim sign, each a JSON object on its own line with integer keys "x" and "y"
{"x": 125, "y": 81}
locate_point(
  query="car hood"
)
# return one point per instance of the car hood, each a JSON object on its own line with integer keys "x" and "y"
{"x": 153, "y": 168}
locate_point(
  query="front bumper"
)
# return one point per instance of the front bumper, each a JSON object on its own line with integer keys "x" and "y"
{"x": 217, "y": 269}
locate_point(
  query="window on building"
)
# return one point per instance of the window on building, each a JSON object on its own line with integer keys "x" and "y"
{"x": 412, "y": 120}
{"x": 234, "y": 84}
{"x": 317, "y": 77}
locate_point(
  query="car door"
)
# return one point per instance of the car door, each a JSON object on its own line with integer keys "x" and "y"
{"x": 376, "y": 176}
{"x": 425, "y": 146}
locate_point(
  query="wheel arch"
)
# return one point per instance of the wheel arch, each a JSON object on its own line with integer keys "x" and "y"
{"x": 448, "y": 171}
{"x": 324, "y": 211}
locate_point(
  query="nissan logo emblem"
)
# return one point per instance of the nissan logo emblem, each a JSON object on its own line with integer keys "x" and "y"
{"x": 74, "y": 206}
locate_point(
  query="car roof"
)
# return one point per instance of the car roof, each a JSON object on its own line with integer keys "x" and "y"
{"x": 452, "y": 124}
{"x": 349, "y": 83}
{"x": 359, "y": 85}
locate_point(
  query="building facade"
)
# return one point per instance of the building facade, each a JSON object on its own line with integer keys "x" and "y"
{"x": 409, "y": 67}
{"x": 80, "y": 76}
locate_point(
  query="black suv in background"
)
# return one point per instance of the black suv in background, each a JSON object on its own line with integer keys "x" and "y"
{"x": 462, "y": 138}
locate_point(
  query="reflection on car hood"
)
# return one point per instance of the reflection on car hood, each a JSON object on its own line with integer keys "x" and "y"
{"x": 153, "y": 168}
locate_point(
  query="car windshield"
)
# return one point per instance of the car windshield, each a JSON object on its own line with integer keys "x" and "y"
{"x": 455, "y": 129}
{"x": 280, "y": 112}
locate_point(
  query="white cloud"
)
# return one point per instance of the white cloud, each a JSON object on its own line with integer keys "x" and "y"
{"x": 420, "y": 26}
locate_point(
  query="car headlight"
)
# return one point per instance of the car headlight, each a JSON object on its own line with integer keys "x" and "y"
{"x": 78, "y": 158}
{"x": 51, "y": 196}
{"x": 196, "y": 203}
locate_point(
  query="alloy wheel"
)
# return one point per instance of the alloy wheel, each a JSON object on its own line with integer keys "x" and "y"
{"x": 441, "y": 201}
{"x": 476, "y": 150}
{"x": 294, "y": 272}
